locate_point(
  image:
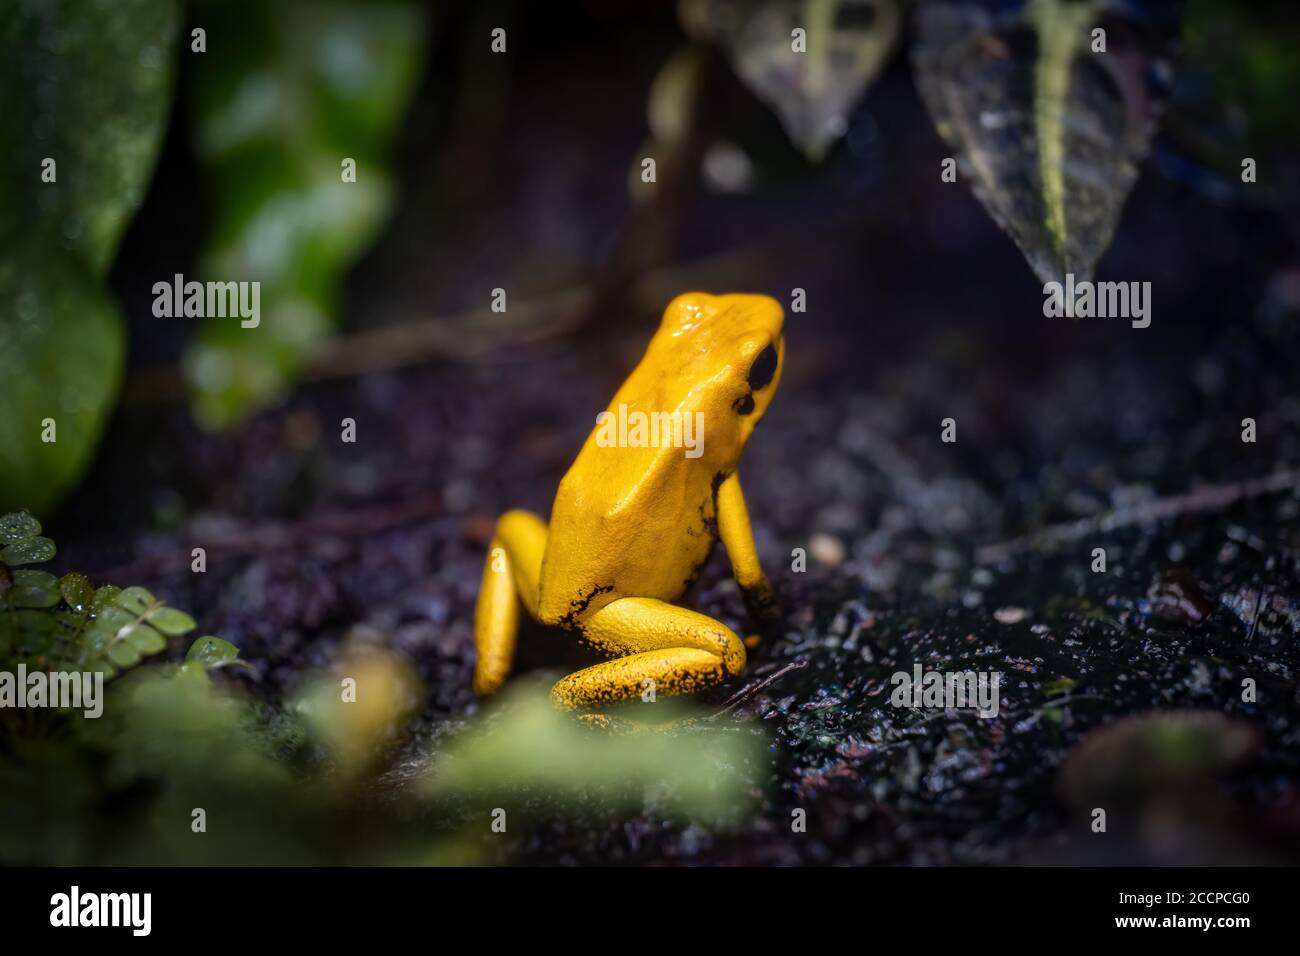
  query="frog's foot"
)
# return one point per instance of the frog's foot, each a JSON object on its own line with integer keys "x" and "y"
{"x": 663, "y": 650}
{"x": 510, "y": 576}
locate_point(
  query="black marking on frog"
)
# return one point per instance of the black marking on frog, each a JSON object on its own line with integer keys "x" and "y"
{"x": 581, "y": 603}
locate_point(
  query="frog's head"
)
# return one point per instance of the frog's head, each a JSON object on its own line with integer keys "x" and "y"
{"x": 719, "y": 355}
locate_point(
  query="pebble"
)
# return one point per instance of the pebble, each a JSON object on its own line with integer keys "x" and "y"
{"x": 827, "y": 549}
{"x": 1009, "y": 615}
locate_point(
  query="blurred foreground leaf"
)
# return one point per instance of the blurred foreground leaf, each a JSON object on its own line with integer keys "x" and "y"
{"x": 1049, "y": 133}
{"x": 286, "y": 93}
{"x": 360, "y": 708}
{"x": 527, "y": 744}
{"x": 845, "y": 44}
{"x": 1136, "y": 756}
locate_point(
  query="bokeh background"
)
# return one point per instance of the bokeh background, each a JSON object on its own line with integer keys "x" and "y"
{"x": 521, "y": 171}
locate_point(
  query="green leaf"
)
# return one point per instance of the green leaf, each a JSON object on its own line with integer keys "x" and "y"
{"x": 38, "y": 633}
{"x": 813, "y": 90}
{"x": 171, "y": 621}
{"x": 136, "y": 600}
{"x": 211, "y": 651}
{"x": 27, "y": 551}
{"x": 112, "y": 619}
{"x": 86, "y": 83}
{"x": 61, "y": 356}
{"x": 123, "y": 654}
{"x": 76, "y": 590}
{"x": 1049, "y": 135}
{"x": 105, "y": 596}
{"x": 146, "y": 640}
{"x": 18, "y": 525}
{"x": 101, "y": 666}
{"x": 34, "y": 589}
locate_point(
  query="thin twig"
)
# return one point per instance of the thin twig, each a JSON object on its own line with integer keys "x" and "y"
{"x": 1200, "y": 500}
{"x": 745, "y": 693}
{"x": 1254, "y": 621}
{"x": 477, "y": 335}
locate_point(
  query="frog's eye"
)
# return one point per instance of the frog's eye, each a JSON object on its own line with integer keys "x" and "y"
{"x": 764, "y": 367}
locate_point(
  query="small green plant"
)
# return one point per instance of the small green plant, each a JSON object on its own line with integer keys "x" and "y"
{"x": 64, "y": 623}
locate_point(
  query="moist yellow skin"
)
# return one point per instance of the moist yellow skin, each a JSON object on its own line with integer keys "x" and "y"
{"x": 631, "y": 526}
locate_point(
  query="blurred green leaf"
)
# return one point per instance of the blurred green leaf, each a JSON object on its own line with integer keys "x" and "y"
{"x": 86, "y": 83}
{"x": 123, "y": 654}
{"x": 530, "y": 744}
{"x": 135, "y": 599}
{"x": 171, "y": 621}
{"x": 286, "y": 93}
{"x": 1250, "y": 52}
{"x": 61, "y": 356}
{"x": 1141, "y": 754}
{"x": 146, "y": 640}
{"x": 211, "y": 651}
{"x": 34, "y": 589}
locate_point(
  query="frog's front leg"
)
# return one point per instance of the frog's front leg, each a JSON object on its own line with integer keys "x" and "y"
{"x": 680, "y": 650}
{"x": 738, "y": 538}
{"x": 511, "y": 575}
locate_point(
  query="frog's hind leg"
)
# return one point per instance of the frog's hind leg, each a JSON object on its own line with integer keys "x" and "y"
{"x": 659, "y": 646}
{"x": 510, "y": 576}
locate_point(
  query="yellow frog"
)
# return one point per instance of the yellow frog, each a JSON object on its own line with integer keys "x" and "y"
{"x": 637, "y": 515}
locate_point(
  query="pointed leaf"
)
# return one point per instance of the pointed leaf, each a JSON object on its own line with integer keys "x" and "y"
{"x": 1049, "y": 134}
{"x": 812, "y": 89}
{"x": 210, "y": 651}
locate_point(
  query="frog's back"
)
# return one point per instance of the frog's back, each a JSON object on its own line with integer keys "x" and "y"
{"x": 626, "y": 522}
